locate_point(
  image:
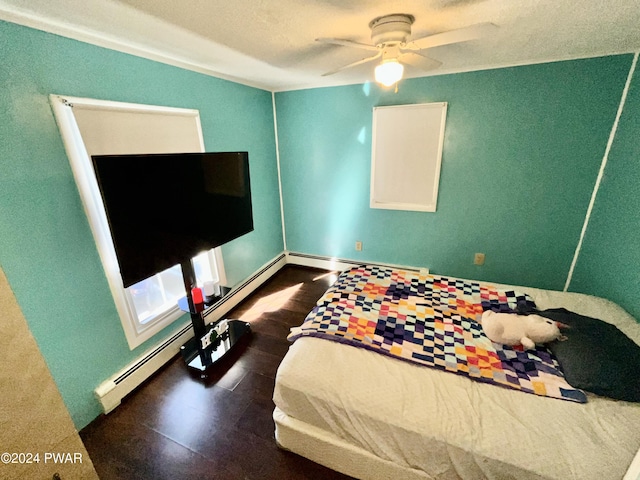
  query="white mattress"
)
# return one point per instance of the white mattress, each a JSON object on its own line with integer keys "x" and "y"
{"x": 450, "y": 426}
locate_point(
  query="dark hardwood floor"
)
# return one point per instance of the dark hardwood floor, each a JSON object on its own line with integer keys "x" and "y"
{"x": 176, "y": 426}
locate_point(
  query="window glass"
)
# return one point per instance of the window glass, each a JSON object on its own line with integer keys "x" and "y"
{"x": 205, "y": 268}
{"x": 159, "y": 294}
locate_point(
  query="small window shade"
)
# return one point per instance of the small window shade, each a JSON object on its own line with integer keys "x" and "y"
{"x": 406, "y": 156}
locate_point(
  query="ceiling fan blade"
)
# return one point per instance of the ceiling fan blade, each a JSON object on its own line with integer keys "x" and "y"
{"x": 417, "y": 60}
{"x": 347, "y": 43}
{"x": 453, "y": 36}
{"x": 359, "y": 62}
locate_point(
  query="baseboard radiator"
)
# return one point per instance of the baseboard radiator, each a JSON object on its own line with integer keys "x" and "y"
{"x": 111, "y": 392}
{"x": 339, "y": 264}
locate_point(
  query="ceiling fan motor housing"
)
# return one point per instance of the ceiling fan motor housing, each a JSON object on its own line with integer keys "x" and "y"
{"x": 391, "y": 29}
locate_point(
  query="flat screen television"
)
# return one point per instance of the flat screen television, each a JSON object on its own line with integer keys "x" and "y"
{"x": 164, "y": 209}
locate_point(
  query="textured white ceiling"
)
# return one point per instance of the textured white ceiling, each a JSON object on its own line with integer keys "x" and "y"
{"x": 271, "y": 44}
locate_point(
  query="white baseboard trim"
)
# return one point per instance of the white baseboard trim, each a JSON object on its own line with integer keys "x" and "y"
{"x": 316, "y": 261}
{"x": 111, "y": 392}
{"x": 332, "y": 263}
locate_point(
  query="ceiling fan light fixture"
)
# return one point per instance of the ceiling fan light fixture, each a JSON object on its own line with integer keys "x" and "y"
{"x": 389, "y": 72}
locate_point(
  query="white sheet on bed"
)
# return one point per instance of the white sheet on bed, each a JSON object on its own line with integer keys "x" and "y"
{"x": 450, "y": 426}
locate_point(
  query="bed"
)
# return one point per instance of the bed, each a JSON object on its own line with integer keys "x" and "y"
{"x": 379, "y": 416}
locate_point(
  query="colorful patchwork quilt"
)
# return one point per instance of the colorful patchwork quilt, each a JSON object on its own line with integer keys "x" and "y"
{"x": 433, "y": 321}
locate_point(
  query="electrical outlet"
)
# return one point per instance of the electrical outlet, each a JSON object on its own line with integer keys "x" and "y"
{"x": 358, "y": 246}
{"x": 478, "y": 259}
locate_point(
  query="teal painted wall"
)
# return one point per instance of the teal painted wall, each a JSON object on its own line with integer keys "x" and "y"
{"x": 521, "y": 155}
{"x": 522, "y": 151}
{"x": 46, "y": 247}
{"x": 609, "y": 261}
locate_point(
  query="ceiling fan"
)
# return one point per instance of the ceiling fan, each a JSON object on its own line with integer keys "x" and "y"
{"x": 391, "y": 34}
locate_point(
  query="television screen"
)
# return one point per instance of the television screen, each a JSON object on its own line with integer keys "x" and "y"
{"x": 164, "y": 209}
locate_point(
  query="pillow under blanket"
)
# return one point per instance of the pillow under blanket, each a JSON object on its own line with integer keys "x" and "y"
{"x": 597, "y": 356}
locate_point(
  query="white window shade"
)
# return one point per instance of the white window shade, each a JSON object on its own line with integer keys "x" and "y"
{"x": 406, "y": 156}
{"x": 109, "y": 131}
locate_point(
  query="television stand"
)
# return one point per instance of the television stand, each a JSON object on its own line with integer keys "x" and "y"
{"x": 212, "y": 342}
{"x": 200, "y": 359}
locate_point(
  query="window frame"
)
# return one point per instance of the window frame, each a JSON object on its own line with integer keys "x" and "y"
{"x": 135, "y": 332}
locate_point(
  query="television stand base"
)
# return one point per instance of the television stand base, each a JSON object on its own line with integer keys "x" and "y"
{"x": 200, "y": 359}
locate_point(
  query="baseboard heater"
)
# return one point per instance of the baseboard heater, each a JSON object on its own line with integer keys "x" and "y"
{"x": 332, "y": 263}
{"x": 111, "y": 392}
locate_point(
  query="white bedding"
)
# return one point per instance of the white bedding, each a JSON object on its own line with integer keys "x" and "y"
{"x": 447, "y": 426}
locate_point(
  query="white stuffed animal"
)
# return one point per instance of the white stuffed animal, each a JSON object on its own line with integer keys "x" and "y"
{"x": 511, "y": 329}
